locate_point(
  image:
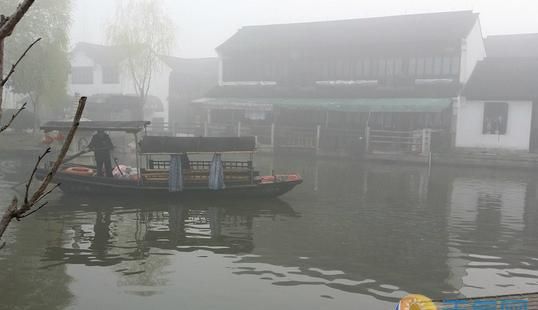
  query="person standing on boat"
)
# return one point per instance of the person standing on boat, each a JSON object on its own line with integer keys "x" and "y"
{"x": 101, "y": 145}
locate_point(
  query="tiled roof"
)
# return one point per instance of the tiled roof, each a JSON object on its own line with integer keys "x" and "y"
{"x": 443, "y": 26}
{"x": 512, "y": 46}
{"x": 504, "y": 79}
{"x": 101, "y": 54}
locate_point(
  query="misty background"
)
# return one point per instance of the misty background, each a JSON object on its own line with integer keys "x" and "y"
{"x": 204, "y": 24}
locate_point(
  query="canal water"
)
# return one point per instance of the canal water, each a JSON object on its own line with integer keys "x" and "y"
{"x": 352, "y": 236}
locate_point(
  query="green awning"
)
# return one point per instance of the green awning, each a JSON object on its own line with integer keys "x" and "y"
{"x": 343, "y": 105}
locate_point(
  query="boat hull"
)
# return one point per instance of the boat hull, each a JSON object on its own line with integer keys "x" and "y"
{"x": 101, "y": 185}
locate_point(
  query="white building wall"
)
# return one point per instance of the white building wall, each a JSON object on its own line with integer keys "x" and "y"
{"x": 11, "y": 99}
{"x": 470, "y": 127}
{"x": 473, "y": 50}
{"x": 159, "y": 85}
{"x": 97, "y": 87}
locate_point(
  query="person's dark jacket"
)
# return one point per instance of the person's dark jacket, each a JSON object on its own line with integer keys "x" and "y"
{"x": 101, "y": 143}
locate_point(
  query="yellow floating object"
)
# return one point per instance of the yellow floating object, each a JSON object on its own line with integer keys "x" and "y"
{"x": 416, "y": 302}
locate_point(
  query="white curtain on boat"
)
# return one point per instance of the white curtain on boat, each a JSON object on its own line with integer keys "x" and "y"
{"x": 216, "y": 173}
{"x": 175, "y": 174}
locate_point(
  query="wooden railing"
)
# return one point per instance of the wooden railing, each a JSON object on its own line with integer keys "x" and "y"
{"x": 201, "y": 165}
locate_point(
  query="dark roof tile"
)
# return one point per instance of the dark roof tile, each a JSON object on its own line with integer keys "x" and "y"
{"x": 512, "y": 46}
{"x": 101, "y": 54}
{"x": 504, "y": 79}
{"x": 443, "y": 26}
{"x": 192, "y": 66}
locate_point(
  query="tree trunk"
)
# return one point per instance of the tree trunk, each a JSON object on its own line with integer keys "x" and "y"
{"x": 1, "y": 75}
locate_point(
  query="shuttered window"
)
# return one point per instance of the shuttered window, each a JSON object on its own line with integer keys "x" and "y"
{"x": 82, "y": 75}
{"x": 495, "y": 118}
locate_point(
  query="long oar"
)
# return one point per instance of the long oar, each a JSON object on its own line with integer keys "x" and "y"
{"x": 118, "y": 166}
{"x": 70, "y": 158}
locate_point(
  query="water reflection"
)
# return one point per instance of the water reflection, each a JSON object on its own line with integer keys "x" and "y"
{"x": 352, "y": 235}
{"x": 129, "y": 233}
{"x": 489, "y": 247}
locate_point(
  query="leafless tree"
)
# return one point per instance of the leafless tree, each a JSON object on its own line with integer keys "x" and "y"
{"x": 32, "y": 202}
{"x": 7, "y": 25}
{"x": 4, "y": 81}
{"x": 18, "y": 211}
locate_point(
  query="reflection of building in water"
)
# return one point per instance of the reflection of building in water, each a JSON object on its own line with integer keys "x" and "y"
{"x": 473, "y": 199}
{"x": 411, "y": 184}
{"x": 485, "y": 212}
{"x": 362, "y": 228}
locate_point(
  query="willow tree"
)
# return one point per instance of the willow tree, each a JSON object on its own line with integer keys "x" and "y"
{"x": 43, "y": 74}
{"x": 144, "y": 31}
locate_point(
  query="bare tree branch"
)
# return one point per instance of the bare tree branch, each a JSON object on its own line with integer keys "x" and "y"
{"x": 8, "y": 23}
{"x": 1, "y": 67}
{"x": 48, "y": 192}
{"x": 14, "y": 66}
{"x": 9, "y": 214}
{"x": 63, "y": 151}
{"x": 33, "y": 211}
{"x": 29, "y": 183}
{"x": 13, "y": 117}
{"x": 16, "y": 212}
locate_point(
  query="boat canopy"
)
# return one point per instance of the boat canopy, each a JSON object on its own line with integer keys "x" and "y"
{"x": 179, "y": 145}
{"x": 125, "y": 126}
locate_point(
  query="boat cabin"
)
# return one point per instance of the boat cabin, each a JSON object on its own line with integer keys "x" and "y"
{"x": 196, "y": 157}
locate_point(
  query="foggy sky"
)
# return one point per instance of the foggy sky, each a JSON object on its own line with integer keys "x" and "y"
{"x": 204, "y": 24}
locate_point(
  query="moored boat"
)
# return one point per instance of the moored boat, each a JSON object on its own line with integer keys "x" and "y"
{"x": 177, "y": 166}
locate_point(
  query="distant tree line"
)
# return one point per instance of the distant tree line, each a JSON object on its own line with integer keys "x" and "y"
{"x": 43, "y": 74}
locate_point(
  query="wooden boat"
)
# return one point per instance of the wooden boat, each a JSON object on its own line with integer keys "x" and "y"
{"x": 153, "y": 159}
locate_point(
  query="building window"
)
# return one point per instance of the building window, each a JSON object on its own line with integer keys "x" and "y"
{"x": 111, "y": 75}
{"x": 437, "y": 65}
{"x": 324, "y": 71}
{"x": 412, "y": 66}
{"x": 390, "y": 67}
{"x": 343, "y": 71}
{"x": 446, "y": 65}
{"x": 495, "y": 118}
{"x": 333, "y": 70}
{"x": 455, "y": 67}
{"x": 398, "y": 66}
{"x": 367, "y": 68}
{"x": 358, "y": 69}
{"x": 428, "y": 67}
{"x": 420, "y": 66}
{"x": 382, "y": 67}
{"x": 82, "y": 75}
{"x": 267, "y": 72}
